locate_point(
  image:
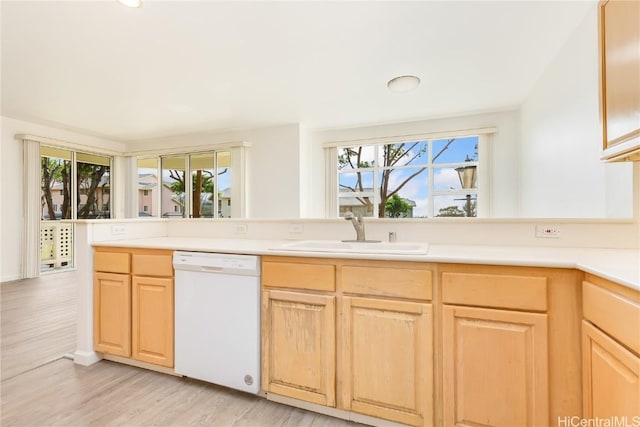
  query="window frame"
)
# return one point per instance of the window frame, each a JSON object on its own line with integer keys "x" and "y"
{"x": 481, "y": 192}
{"x": 75, "y": 194}
{"x": 237, "y": 183}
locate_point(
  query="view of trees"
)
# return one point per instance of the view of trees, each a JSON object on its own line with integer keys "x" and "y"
{"x": 393, "y": 155}
{"x": 397, "y": 207}
{"x": 90, "y": 178}
{"x": 52, "y": 171}
{"x": 202, "y": 182}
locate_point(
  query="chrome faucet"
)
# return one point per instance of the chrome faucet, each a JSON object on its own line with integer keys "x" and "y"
{"x": 358, "y": 224}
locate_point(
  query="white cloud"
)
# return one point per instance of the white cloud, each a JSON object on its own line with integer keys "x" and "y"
{"x": 445, "y": 178}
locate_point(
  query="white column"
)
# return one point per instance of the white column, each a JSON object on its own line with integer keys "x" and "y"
{"x": 84, "y": 354}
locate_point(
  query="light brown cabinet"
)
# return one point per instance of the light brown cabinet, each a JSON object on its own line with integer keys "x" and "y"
{"x": 610, "y": 350}
{"x": 510, "y": 345}
{"x": 298, "y": 331}
{"x": 387, "y": 363}
{"x": 350, "y": 334}
{"x": 611, "y": 377}
{"x": 494, "y": 367}
{"x": 112, "y": 313}
{"x": 152, "y": 320}
{"x": 620, "y": 78}
{"x": 133, "y": 304}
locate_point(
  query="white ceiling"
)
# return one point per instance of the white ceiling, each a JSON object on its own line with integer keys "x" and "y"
{"x": 171, "y": 68}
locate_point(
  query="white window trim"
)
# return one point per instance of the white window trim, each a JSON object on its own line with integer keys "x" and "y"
{"x": 193, "y": 149}
{"x": 484, "y": 195}
{"x": 397, "y": 139}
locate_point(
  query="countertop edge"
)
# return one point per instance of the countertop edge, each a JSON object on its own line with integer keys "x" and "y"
{"x": 618, "y": 265}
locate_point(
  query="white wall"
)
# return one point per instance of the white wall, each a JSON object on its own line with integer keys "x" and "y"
{"x": 274, "y": 184}
{"x": 11, "y": 189}
{"x": 503, "y": 151}
{"x": 561, "y": 174}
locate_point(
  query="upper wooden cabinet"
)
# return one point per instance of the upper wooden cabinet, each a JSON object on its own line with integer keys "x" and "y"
{"x": 620, "y": 78}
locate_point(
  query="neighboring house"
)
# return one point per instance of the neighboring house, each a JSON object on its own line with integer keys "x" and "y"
{"x": 353, "y": 204}
{"x": 102, "y": 198}
{"x": 172, "y": 204}
{"x": 146, "y": 185}
{"x": 224, "y": 203}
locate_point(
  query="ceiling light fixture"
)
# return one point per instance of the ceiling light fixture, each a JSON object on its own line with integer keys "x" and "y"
{"x": 130, "y": 3}
{"x": 403, "y": 83}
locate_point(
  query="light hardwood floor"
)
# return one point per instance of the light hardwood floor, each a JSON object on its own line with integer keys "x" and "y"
{"x": 38, "y": 318}
{"x": 42, "y": 388}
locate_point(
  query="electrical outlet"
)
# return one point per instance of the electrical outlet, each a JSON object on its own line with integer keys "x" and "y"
{"x": 549, "y": 231}
{"x": 296, "y": 228}
{"x": 118, "y": 229}
{"x": 240, "y": 229}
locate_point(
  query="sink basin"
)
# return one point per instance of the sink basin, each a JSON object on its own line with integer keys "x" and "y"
{"x": 355, "y": 247}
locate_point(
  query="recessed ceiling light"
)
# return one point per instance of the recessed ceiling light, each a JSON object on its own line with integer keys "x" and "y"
{"x": 403, "y": 83}
{"x": 130, "y": 3}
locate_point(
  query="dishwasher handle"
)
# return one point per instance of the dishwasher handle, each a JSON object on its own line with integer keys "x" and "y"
{"x": 213, "y": 269}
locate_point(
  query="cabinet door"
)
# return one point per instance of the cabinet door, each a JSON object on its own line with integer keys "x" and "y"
{"x": 298, "y": 346}
{"x": 494, "y": 367}
{"x": 387, "y": 359}
{"x": 112, "y": 313}
{"x": 152, "y": 324}
{"x": 620, "y": 56}
{"x": 610, "y": 379}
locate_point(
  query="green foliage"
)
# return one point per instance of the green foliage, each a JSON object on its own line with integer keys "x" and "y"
{"x": 178, "y": 185}
{"x": 396, "y": 206}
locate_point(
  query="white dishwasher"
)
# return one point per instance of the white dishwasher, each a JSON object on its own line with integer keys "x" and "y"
{"x": 217, "y": 318}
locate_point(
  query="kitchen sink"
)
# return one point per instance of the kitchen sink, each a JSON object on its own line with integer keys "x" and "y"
{"x": 370, "y": 247}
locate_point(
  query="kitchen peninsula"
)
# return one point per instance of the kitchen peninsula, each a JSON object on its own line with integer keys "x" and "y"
{"x": 445, "y": 325}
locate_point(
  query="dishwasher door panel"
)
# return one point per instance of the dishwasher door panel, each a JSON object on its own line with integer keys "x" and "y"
{"x": 217, "y": 328}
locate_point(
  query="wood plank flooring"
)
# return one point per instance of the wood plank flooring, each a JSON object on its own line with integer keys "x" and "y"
{"x": 41, "y": 388}
{"x": 38, "y": 320}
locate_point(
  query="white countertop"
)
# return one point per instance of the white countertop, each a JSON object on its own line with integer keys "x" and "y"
{"x": 618, "y": 265}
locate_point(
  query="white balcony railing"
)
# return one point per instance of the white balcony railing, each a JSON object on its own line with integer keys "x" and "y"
{"x": 56, "y": 245}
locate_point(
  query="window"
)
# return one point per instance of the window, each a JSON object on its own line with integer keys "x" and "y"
{"x": 195, "y": 185}
{"x": 94, "y": 184}
{"x": 409, "y": 179}
{"x": 145, "y": 208}
{"x": 89, "y": 190}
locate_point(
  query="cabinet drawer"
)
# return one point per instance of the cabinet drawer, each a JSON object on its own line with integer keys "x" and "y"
{"x": 387, "y": 281}
{"x": 495, "y": 290}
{"x": 144, "y": 264}
{"x": 111, "y": 262}
{"x": 614, "y": 314}
{"x": 321, "y": 277}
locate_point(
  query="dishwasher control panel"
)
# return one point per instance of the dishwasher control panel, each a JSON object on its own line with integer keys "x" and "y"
{"x": 214, "y": 262}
